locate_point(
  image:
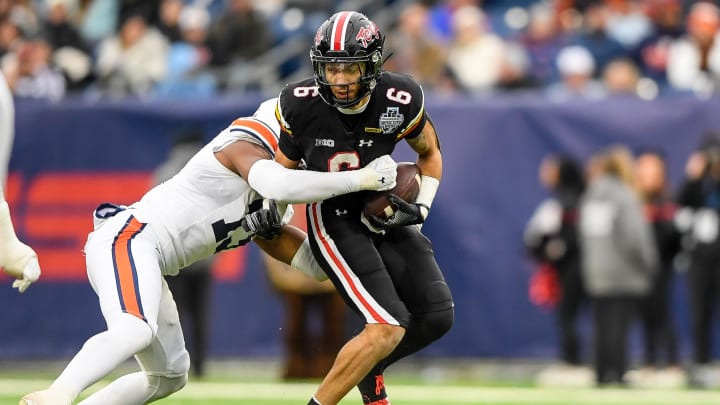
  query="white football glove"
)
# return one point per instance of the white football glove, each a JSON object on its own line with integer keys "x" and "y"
{"x": 16, "y": 258}
{"x": 30, "y": 272}
{"x": 23, "y": 265}
{"x": 379, "y": 175}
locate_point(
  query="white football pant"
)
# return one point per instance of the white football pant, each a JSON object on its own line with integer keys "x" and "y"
{"x": 124, "y": 269}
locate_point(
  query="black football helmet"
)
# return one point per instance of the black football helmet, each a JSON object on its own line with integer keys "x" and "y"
{"x": 347, "y": 37}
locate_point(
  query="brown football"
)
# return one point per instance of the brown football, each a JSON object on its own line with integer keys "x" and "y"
{"x": 407, "y": 188}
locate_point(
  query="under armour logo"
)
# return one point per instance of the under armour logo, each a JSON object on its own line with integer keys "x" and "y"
{"x": 340, "y": 212}
{"x": 365, "y": 142}
{"x": 382, "y": 180}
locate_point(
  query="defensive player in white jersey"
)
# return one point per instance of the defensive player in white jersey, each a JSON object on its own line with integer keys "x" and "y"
{"x": 207, "y": 207}
{"x": 16, "y": 258}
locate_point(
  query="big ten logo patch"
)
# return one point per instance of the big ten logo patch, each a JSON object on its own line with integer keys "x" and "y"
{"x": 52, "y": 212}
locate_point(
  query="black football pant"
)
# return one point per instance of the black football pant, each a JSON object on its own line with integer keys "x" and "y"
{"x": 390, "y": 278}
{"x": 429, "y": 302}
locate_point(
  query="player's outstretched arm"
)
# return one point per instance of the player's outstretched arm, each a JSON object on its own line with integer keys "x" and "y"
{"x": 17, "y": 258}
{"x": 275, "y": 181}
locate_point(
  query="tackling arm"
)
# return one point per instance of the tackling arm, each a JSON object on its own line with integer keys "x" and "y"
{"x": 276, "y": 182}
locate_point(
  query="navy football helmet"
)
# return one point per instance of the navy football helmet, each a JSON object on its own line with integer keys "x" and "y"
{"x": 347, "y": 37}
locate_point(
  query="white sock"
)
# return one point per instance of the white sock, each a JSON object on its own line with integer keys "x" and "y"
{"x": 130, "y": 389}
{"x": 103, "y": 352}
{"x": 136, "y": 389}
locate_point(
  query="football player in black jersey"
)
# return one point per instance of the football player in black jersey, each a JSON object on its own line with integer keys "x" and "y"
{"x": 348, "y": 114}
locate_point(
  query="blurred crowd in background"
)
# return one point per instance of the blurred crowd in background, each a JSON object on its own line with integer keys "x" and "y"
{"x": 610, "y": 239}
{"x": 192, "y": 49}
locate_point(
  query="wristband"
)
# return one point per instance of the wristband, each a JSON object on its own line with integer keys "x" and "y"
{"x": 424, "y": 212}
{"x": 428, "y": 189}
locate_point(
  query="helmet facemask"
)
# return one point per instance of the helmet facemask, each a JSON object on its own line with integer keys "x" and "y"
{"x": 367, "y": 69}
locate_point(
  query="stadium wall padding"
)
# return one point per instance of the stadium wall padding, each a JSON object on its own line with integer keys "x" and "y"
{"x": 71, "y": 156}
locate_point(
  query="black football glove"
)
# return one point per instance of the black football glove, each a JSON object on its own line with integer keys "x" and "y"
{"x": 265, "y": 222}
{"x": 405, "y": 214}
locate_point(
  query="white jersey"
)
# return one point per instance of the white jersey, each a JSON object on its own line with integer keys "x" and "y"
{"x": 197, "y": 212}
{"x": 187, "y": 218}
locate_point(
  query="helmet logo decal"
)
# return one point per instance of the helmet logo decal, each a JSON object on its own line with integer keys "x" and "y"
{"x": 319, "y": 36}
{"x": 391, "y": 119}
{"x": 367, "y": 34}
{"x": 338, "y": 31}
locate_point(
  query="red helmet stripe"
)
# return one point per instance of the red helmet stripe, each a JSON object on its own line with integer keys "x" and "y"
{"x": 338, "y": 31}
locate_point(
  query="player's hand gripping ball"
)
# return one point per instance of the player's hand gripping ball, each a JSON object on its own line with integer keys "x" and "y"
{"x": 377, "y": 203}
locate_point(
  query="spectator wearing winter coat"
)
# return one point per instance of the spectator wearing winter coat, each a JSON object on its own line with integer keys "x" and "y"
{"x": 619, "y": 259}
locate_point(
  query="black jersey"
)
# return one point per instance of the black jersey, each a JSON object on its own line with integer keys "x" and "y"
{"x": 387, "y": 277}
{"x": 329, "y": 140}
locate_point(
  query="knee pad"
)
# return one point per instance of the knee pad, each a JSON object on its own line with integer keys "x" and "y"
{"x": 437, "y": 297}
{"x": 437, "y": 313}
{"x": 181, "y": 365}
{"x": 130, "y": 331}
{"x": 436, "y": 324}
{"x": 164, "y": 386}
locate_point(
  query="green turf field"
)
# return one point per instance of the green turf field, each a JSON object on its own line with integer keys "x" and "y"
{"x": 255, "y": 382}
{"x": 270, "y": 393}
